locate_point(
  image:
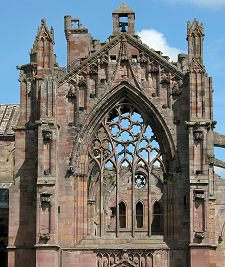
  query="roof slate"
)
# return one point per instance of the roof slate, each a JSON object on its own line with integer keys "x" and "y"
{"x": 9, "y": 116}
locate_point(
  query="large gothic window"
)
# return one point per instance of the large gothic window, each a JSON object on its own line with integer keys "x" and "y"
{"x": 125, "y": 166}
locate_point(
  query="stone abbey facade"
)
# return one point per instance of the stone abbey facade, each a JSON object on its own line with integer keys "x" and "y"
{"x": 109, "y": 162}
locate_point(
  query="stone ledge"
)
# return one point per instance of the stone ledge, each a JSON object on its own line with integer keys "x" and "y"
{"x": 199, "y": 180}
{"x": 47, "y": 246}
{"x": 202, "y": 245}
{"x": 20, "y": 247}
{"x": 51, "y": 180}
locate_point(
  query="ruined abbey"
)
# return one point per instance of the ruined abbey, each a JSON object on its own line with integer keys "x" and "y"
{"x": 109, "y": 162}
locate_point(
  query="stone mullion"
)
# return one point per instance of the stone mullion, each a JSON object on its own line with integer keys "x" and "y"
{"x": 117, "y": 200}
{"x": 133, "y": 200}
{"x": 149, "y": 201}
{"x": 133, "y": 187}
{"x": 101, "y": 203}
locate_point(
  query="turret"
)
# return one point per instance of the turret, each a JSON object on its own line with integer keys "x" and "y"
{"x": 42, "y": 52}
{"x": 78, "y": 40}
{"x": 123, "y": 19}
{"x": 195, "y": 37}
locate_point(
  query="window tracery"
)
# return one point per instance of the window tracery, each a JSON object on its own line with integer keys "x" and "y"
{"x": 123, "y": 156}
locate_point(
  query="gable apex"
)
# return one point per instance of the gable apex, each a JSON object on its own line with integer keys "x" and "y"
{"x": 108, "y": 46}
{"x": 123, "y": 9}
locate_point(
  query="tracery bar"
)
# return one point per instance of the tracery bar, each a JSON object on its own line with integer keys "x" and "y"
{"x": 117, "y": 202}
{"x": 149, "y": 203}
{"x": 133, "y": 203}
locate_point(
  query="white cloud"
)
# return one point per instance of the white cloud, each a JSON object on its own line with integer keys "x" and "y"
{"x": 206, "y": 3}
{"x": 157, "y": 41}
{"x": 220, "y": 171}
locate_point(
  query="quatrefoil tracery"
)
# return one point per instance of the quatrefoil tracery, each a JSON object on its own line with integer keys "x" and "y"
{"x": 125, "y": 138}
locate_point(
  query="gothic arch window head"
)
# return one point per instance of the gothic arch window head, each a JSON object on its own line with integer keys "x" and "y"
{"x": 122, "y": 156}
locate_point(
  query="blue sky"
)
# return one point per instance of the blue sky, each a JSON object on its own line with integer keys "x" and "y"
{"x": 165, "y": 22}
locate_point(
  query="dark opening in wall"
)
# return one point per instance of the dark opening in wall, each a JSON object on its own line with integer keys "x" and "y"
{"x": 139, "y": 215}
{"x": 113, "y": 58}
{"x": 157, "y": 223}
{"x": 122, "y": 215}
{"x": 134, "y": 59}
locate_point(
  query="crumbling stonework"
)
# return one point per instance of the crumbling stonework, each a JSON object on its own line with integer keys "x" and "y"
{"x": 114, "y": 161}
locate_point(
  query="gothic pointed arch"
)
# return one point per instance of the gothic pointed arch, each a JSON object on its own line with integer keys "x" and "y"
{"x": 124, "y": 142}
{"x": 125, "y": 93}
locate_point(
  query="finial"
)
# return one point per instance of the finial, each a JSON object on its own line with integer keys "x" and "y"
{"x": 43, "y": 22}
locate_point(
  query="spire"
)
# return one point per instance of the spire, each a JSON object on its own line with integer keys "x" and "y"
{"x": 43, "y": 33}
{"x": 195, "y": 28}
{"x": 42, "y": 51}
{"x": 195, "y": 37}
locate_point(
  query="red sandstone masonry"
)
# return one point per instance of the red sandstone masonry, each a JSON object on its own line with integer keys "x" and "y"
{"x": 54, "y": 220}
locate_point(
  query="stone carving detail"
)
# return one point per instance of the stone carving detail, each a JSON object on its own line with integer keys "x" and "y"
{"x": 70, "y": 169}
{"x": 194, "y": 29}
{"x": 196, "y": 65}
{"x": 165, "y": 80}
{"x": 199, "y": 195}
{"x": 176, "y": 90}
{"x": 104, "y": 59}
{"x": 47, "y": 172}
{"x": 123, "y": 50}
{"x": 198, "y": 135}
{"x": 124, "y": 259}
{"x": 82, "y": 83}
{"x": 45, "y": 198}
{"x": 153, "y": 68}
{"x": 44, "y": 237}
{"x": 143, "y": 58}
{"x": 211, "y": 159}
{"x": 47, "y": 135}
{"x": 70, "y": 94}
{"x": 200, "y": 235}
{"x": 94, "y": 68}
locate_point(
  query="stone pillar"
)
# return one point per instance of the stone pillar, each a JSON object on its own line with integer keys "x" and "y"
{"x": 200, "y": 127}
